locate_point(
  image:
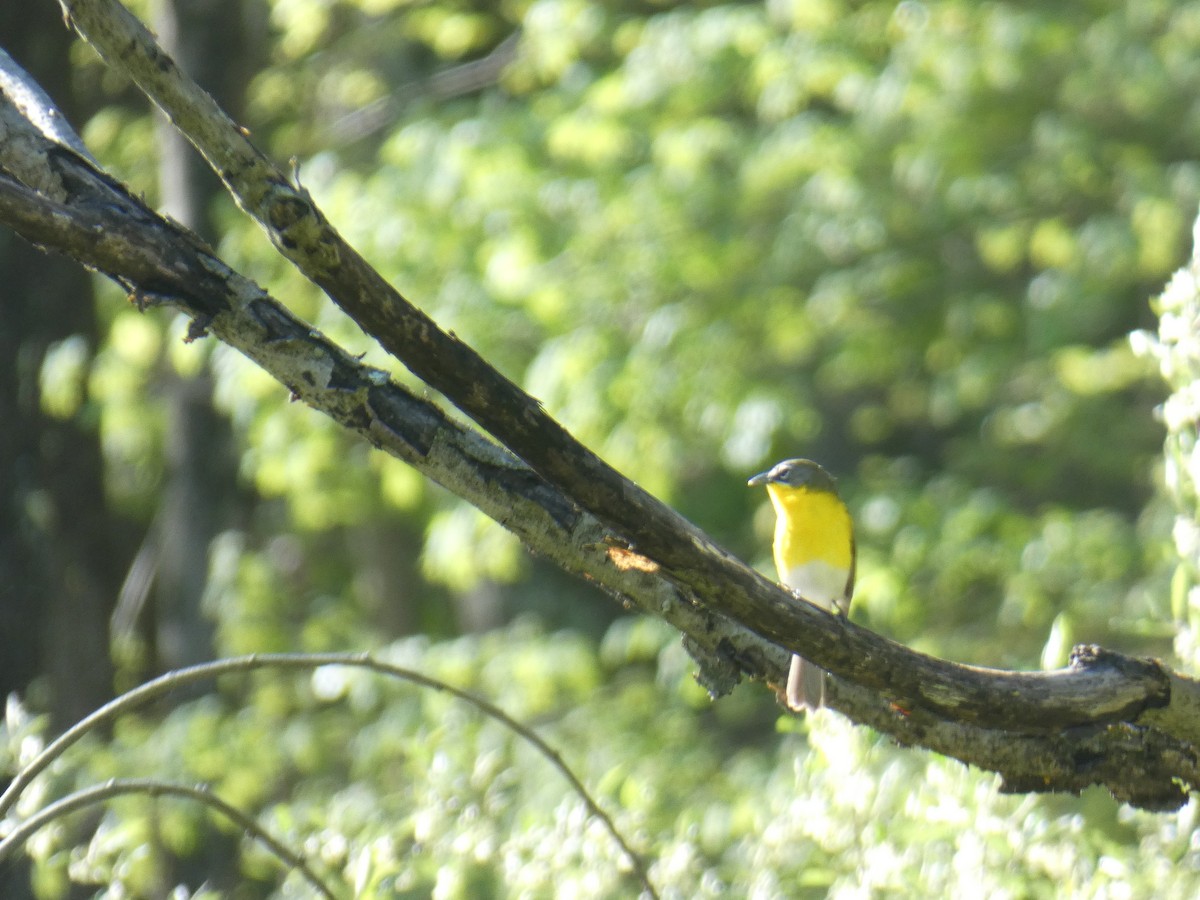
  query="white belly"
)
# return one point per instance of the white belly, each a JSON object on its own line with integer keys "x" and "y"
{"x": 819, "y": 583}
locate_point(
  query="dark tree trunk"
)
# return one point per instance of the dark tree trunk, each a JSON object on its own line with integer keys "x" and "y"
{"x": 206, "y": 37}
{"x": 62, "y": 556}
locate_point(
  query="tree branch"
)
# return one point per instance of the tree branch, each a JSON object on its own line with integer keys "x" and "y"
{"x": 35, "y": 105}
{"x": 302, "y": 234}
{"x": 336, "y": 383}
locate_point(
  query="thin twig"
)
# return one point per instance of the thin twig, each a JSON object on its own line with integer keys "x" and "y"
{"x": 164, "y": 684}
{"x": 465, "y": 78}
{"x": 118, "y": 787}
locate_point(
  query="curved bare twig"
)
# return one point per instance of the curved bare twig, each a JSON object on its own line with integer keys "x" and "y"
{"x": 118, "y": 787}
{"x": 164, "y": 684}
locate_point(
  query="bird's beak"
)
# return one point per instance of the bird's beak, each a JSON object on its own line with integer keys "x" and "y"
{"x": 760, "y": 479}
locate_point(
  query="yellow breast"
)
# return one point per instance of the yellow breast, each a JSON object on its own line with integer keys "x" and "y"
{"x": 814, "y": 542}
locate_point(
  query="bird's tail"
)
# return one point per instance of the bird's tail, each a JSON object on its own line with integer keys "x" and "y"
{"x": 805, "y": 686}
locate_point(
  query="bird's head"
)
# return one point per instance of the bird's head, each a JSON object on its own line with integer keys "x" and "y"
{"x": 799, "y": 474}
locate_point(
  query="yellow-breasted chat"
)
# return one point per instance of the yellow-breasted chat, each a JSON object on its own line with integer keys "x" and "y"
{"x": 814, "y": 555}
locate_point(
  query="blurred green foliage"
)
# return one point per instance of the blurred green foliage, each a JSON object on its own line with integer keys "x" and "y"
{"x": 398, "y": 792}
{"x": 1177, "y": 353}
{"x": 908, "y": 240}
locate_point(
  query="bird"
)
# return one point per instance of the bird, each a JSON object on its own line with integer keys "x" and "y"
{"x": 814, "y": 555}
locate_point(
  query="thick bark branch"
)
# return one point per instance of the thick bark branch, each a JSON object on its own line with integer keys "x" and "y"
{"x": 30, "y": 102}
{"x": 1131, "y": 761}
{"x": 1128, "y": 724}
{"x": 302, "y": 234}
{"x": 161, "y": 263}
